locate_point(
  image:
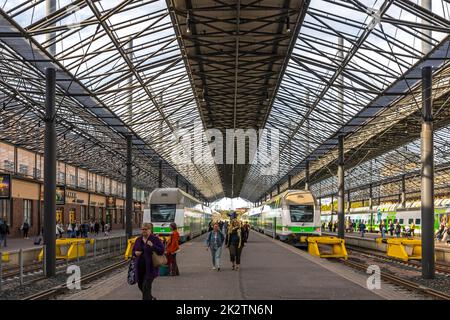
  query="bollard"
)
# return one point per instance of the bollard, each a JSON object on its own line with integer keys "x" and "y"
{"x": 21, "y": 267}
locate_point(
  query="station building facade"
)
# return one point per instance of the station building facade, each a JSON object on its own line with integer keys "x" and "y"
{"x": 81, "y": 195}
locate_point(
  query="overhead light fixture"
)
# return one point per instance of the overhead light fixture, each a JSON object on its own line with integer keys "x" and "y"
{"x": 188, "y": 22}
{"x": 267, "y": 96}
{"x": 203, "y": 95}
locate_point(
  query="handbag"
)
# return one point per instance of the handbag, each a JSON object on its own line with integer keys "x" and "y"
{"x": 158, "y": 260}
{"x": 131, "y": 276}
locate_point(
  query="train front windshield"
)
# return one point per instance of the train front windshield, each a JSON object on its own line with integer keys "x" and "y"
{"x": 163, "y": 212}
{"x": 302, "y": 213}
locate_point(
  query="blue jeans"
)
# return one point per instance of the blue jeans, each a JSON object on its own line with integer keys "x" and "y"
{"x": 383, "y": 234}
{"x": 215, "y": 255}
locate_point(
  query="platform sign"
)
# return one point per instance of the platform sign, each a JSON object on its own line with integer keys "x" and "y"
{"x": 60, "y": 195}
{"x": 5, "y": 186}
{"x": 111, "y": 202}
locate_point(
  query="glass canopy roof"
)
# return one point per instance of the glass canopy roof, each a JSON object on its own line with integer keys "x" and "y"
{"x": 122, "y": 71}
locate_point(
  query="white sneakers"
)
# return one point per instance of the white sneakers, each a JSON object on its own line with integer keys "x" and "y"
{"x": 213, "y": 268}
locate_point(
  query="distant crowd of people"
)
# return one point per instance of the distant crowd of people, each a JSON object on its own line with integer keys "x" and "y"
{"x": 81, "y": 230}
{"x": 393, "y": 228}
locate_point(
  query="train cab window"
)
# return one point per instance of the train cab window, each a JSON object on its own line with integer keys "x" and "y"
{"x": 401, "y": 221}
{"x": 302, "y": 213}
{"x": 417, "y": 221}
{"x": 410, "y": 221}
{"x": 163, "y": 212}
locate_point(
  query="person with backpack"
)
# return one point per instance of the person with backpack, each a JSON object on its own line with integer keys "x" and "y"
{"x": 171, "y": 250}
{"x": 362, "y": 228}
{"x": 235, "y": 243}
{"x": 246, "y": 231}
{"x": 96, "y": 227}
{"x": 4, "y": 231}
{"x": 25, "y": 228}
{"x": 383, "y": 229}
{"x": 391, "y": 228}
{"x": 398, "y": 229}
{"x": 59, "y": 230}
{"x": 143, "y": 249}
{"x": 214, "y": 242}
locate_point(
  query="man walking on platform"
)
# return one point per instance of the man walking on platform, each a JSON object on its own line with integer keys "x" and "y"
{"x": 4, "y": 231}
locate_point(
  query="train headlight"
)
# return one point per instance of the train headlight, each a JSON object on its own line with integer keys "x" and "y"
{"x": 318, "y": 229}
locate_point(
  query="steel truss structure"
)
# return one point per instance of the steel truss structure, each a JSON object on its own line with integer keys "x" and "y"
{"x": 365, "y": 87}
{"x": 120, "y": 72}
{"x": 164, "y": 71}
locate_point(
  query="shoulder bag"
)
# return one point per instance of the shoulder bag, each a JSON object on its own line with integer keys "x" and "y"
{"x": 158, "y": 260}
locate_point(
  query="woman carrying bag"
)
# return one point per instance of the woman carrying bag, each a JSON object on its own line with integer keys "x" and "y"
{"x": 171, "y": 250}
{"x": 145, "y": 247}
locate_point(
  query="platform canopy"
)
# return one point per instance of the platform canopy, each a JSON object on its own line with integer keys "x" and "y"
{"x": 162, "y": 70}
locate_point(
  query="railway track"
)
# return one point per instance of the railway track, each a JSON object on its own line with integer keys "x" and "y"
{"x": 60, "y": 289}
{"x": 400, "y": 281}
{"x": 441, "y": 268}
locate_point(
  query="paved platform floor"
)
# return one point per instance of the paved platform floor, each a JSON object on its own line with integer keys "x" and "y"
{"x": 269, "y": 270}
{"x": 20, "y": 243}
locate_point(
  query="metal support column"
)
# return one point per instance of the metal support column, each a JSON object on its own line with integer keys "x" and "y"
{"x": 371, "y": 206}
{"x": 129, "y": 189}
{"x": 341, "y": 191}
{"x": 332, "y": 207}
{"x": 160, "y": 175}
{"x": 403, "y": 196}
{"x": 340, "y": 96}
{"x": 426, "y": 46}
{"x": 289, "y": 182}
{"x": 427, "y": 209}
{"x": 50, "y": 174}
{"x": 307, "y": 176}
{"x": 176, "y": 181}
{"x": 278, "y": 189}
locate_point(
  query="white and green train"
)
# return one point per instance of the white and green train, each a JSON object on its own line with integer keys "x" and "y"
{"x": 402, "y": 216}
{"x": 166, "y": 205}
{"x": 287, "y": 216}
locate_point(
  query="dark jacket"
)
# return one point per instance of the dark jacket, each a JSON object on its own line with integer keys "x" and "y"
{"x": 145, "y": 259}
{"x": 210, "y": 239}
{"x": 234, "y": 236}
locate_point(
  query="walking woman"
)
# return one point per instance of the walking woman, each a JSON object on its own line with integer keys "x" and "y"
{"x": 235, "y": 243}
{"x": 171, "y": 250}
{"x": 143, "y": 249}
{"x": 214, "y": 242}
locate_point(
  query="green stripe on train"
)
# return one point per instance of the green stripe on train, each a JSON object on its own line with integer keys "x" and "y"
{"x": 161, "y": 229}
{"x": 167, "y": 229}
{"x": 303, "y": 229}
{"x": 297, "y": 229}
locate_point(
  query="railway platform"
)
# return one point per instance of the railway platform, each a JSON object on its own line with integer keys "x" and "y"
{"x": 270, "y": 269}
{"x": 369, "y": 242}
